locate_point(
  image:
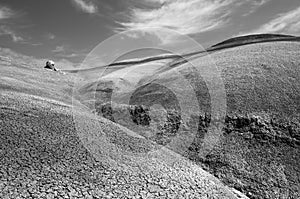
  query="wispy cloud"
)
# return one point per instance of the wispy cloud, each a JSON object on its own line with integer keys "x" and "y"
{"x": 255, "y": 4}
{"x": 186, "y": 17}
{"x": 50, "y": 36}
{"x": 66, "y": 52}
{"x": 86, "y": 6}
{"x": 183, "y": 16}
{"x": 6, "y": 12}
{"x": 284, "y": 23}
{"x": 4, "y": 30}
{"x": 259, "y": 2}
{"x": 59, "y": 49}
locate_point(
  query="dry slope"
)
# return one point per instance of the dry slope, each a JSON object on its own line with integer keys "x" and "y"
{"x": 43, "y": 155}
{"x": 258, "y": 151}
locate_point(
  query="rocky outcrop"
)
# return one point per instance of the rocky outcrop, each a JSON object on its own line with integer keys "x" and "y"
{"x": 140, "y": 115}
{"x": 257, "y": 155}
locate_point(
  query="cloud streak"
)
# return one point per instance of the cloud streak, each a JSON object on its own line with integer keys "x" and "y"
{"x": 284, "y": 23}
{"x": 85, "y": 6}
{"x": 186, "y": 17}
{"x": 259, "y": 2}
{"x": 183, "y": 16}
{"x": 255, "y": 4}
{"x": 50, "y": 36}
{"x": 59, "y": 49}
{"x": 4, "y": 30}
{"x": 66, "y": 52}
{"x": 6, "y": 12}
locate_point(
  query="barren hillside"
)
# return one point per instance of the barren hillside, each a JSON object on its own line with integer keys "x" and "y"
{"x": 258, "y": 146}
{"x": 175, "y": 131}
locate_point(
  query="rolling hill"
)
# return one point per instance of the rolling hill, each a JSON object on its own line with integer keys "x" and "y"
{"x": 259, "y": 131}
{"x": 217, "y": 124}
{"x": 45, "y": 154}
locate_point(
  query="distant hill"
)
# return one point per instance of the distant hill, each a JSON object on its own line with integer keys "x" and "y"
{"x": 230, "y": 43}
{"x": 250, "y": 39}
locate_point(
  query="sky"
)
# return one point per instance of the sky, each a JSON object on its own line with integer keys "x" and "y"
{"x": 67, "y": 30}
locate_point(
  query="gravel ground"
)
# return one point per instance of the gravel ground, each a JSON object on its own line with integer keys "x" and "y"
{"x": 49, "y": 149}
{"x": 41, "y": 156}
